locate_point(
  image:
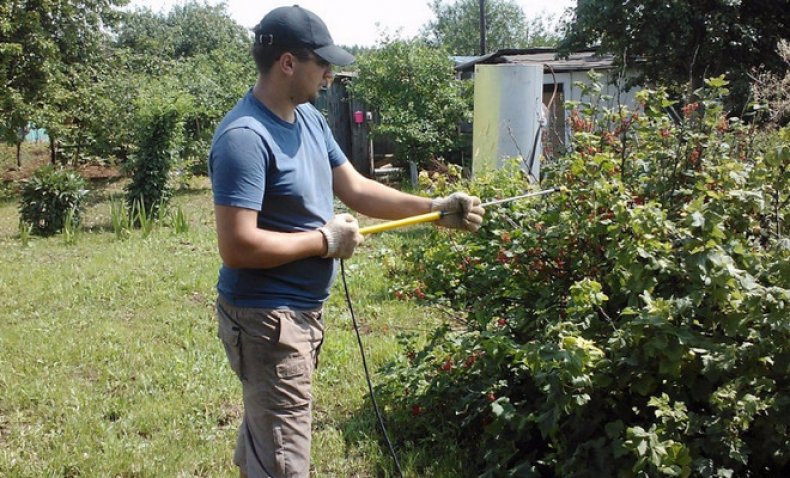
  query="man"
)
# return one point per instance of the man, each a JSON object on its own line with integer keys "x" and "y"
{"x": 274, "y": 168}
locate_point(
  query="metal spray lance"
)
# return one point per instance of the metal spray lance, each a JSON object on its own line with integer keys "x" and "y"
{"x": 436, "y": 215}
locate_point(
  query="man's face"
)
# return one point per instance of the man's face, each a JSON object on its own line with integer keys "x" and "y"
{"x": 312, "y": 75}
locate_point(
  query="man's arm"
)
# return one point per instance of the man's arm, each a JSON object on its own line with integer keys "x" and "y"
{"x": 374, "y": 199}
{"x": 243, "y": 245}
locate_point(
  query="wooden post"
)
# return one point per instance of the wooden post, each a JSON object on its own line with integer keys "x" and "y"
{"x": 361, "y": 151}
{"x": 413, "y": 174}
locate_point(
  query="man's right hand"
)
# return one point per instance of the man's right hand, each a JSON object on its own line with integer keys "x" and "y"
{"x": 342, "y": 236}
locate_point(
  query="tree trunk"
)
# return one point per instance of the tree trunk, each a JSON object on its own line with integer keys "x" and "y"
{"x": 693, "y": 83}
{"x": 75, "y": 160}
{"x": 53, "y": 150}
{"x": 18, "y": 157}
{"x": 696, "y": 72}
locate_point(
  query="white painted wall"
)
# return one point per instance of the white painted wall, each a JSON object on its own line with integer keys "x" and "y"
{"x": 573, "y": 93}
{"x": 507, "y": 114}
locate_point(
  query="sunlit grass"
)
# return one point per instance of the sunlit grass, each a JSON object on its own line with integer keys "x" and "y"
{"x": 110, "y": 365}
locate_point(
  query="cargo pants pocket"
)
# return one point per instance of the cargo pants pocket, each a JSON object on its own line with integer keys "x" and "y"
{"x": 230, "y": 335}
{"x": 279, "y": 451}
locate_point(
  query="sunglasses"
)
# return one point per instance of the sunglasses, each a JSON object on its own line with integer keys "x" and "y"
{"x": 320, "y": 61}
{"x": 310, "y": 56}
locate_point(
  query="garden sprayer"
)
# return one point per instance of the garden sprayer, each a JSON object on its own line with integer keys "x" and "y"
{"x": 436, "y": 215}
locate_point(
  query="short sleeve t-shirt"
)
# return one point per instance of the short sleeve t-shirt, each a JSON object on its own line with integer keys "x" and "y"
{"x": 284, "y": 171}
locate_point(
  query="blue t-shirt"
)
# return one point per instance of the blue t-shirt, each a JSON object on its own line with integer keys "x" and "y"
{"x": 284, "y": 171}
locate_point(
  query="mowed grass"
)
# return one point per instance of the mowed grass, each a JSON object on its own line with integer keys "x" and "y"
{"x": 110, "y": 365}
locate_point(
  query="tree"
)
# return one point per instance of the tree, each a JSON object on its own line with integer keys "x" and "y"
{"x": 457, "y": 27}
{"x": 146, "y": 38}
{"x": 27, "y": 55}
{"x": 159, "y": 134}
{"x": 684, "y": 41}
{"x": 202, "y": 29}
{"x": 196, "y": 50}
{"x": 188, "y": 30}
{"x": 48, "y": 49}
{"x": 419, "y": 101}
{"x": 774, "y": 90}
{"x": 214, "y": 68}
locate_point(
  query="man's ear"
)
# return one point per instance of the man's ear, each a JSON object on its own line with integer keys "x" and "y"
{"x": 286, "y": 63}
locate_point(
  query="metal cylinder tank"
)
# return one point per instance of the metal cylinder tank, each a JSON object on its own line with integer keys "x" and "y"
{"x": 507, "y": 117}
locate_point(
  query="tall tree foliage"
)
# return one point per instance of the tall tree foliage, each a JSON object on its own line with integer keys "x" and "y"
{"x": 75, "y": 68}
{"x": 684, "y": 41}
{"x": 195, "y": 51}
{"x": 47, "y": 52}
{"x": 457, "y": 27}
{"x": 146, "y": 38}
{"x": 24, "y": 68}
{"x": 188, "y": 30}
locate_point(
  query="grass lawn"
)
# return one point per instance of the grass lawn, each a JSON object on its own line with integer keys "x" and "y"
{"x": 110, "y": 365}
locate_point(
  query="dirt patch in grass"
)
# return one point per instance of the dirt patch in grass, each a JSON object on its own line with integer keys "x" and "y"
{"x": 36, "y": 155}
{"x": 229, "y": 415}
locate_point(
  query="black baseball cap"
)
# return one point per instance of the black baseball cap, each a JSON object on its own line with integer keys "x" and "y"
{"x": 297, "y": 27}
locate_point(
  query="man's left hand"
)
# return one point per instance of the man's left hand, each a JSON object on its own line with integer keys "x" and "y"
{"x": 459, "y": 211}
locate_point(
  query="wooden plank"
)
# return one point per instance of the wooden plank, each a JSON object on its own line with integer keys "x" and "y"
{"x": 554, "y": 136}
{"x": 333, "y": 104}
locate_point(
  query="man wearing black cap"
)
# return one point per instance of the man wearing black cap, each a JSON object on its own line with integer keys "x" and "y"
{"x": 274, "y": 169}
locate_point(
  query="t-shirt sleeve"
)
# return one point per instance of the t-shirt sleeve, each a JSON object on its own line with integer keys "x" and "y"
{"x": 336, "y": 155}
{"x": 238, "y": 169}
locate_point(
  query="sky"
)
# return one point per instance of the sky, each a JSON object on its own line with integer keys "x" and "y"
{"x": 356, "y": 22}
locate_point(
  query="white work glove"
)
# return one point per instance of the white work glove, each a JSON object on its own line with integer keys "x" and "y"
{"x": 460, "y": 211}
{"x": 342, "y": 235}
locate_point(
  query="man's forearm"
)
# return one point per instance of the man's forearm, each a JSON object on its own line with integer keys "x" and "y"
{"x": 243, "y": 245}
{"x": 377, "y": 200}
{"x": 264, "y": 249}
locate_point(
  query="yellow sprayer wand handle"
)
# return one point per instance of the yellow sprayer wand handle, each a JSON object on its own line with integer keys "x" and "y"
{"x": 408, "y": 221}
{"x": 436, "y": 215}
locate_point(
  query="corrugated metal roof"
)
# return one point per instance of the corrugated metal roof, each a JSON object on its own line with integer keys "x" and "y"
{"x": 577, "y": 61}
{"x": 460, "y": 60}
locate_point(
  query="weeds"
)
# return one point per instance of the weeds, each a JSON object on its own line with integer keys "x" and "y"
{"x": 71, "y": 227}
{"x": 142, "y": 218}
{"x": 120, "y": 219}
{"x": 25, "y": 232}
{"x": 179, "y": 221}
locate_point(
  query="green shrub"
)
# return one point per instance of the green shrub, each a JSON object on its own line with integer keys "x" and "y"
{"x": 51, "y": 197}
{"x": 8, "y": 189}
{"x": 159, "y": 139}
{"x": 635, "y": 325}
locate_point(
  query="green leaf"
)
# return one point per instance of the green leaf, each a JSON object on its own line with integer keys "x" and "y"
{"x": 697, "y": 220}
{"x": 614, "y": 429}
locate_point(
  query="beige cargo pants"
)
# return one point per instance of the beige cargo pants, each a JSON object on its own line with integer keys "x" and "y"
{"x": 274, "y": 353}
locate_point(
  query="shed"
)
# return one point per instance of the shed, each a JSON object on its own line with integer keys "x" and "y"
{"x": 562, "y": 74}
{"x": 348, "y": 120}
